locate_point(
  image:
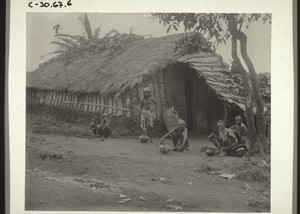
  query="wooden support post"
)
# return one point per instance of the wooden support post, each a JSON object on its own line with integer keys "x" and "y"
{"x": 88, "y": 101}
{"x": 100, "y": 108}
{"x": 77, "y": 102}
{"x": 64, "y": 99}
{"x": 97, "y": 102}
{"x": 94, "y": 98}
{"x": 84, "y": 105}
{"x": 112, "y": 104}
{"x": 57, "y": 99}
{"x": 107, "y": 101}
{"x": 81, "y": 101}
{"x": 51, "y": 98}
{"x": 72, "y": 100}
{"x": 225, "y": 114}
{"x": 184, "y": 104}
{"x": 159, "y": 94}
{"x": 127, "y": 99}
{"x": 68, "y": 99}
{"x": 116, "y": 104}
{"x": 154, "y": 95}
{"x": 123, "y": 104}
{"x": 104, "y": 103}
{"x": 165, "y": 88}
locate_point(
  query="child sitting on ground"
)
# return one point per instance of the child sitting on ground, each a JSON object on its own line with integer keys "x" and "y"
{"x": 104, "y": 128}
{"x": 94, "y": 126}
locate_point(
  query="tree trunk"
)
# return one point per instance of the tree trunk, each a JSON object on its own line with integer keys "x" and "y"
{"x": 248, "y": 96}
{"x": 261, "y": 121}
{"x": 248, "y": 92}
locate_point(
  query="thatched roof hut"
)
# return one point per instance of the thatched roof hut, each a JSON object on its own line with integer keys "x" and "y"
{"x": 119, "y": 75}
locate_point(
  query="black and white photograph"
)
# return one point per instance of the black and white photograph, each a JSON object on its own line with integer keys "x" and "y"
{"x": 128, "y": 106}
{"x": 148, "y": 112}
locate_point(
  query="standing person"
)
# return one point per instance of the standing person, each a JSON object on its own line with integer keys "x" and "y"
{"x": 240, "y": 129}
{"x": 147, "y": 105}
{"x": 178, "y": 136}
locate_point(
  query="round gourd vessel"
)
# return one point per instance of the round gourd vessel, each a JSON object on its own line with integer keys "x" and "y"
{"x": 210, "y": 152}
{"x": 143, "y": 138}
{"x": 164, "y": 148}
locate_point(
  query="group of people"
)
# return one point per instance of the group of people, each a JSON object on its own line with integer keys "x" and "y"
{"x": 101, "y": 129}
{"x": 177, "y": 134}
{"x": 228, "y": 142}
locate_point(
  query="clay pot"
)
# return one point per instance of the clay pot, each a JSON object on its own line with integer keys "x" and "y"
{"x": 143, "y": 138}
{"x": 164, "y": 148}
{"x": 210, "y": 152}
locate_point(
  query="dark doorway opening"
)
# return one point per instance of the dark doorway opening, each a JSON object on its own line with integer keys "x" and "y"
{"x": 191, "y": 78}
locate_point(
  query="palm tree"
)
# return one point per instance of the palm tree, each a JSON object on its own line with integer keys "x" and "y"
{"x": 69, "y": 43}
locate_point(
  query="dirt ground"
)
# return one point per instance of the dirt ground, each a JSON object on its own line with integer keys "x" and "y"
{"x": 77, "y": 173}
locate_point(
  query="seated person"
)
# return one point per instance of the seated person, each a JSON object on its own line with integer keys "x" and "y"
{"x": 240, "y": 130}
{"x": 104, "y": 128}
{"x": 94, "y": 126}
{"x": 178, "y": 136}
{"x": 227, "y": 143}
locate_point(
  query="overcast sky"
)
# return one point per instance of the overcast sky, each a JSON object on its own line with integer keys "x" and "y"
{"x": 40, "y": 33}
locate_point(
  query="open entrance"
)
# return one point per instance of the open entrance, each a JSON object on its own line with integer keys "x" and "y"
{"x": 190, "y": 87}
{"x": 203, "y": 107}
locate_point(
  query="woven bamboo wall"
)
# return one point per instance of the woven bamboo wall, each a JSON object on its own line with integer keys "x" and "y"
{"x": 83, "y": 102}
{"x": 167, "y": 88}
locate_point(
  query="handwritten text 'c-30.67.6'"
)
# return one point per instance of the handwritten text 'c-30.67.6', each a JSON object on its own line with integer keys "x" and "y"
{"x": 46, "y": 4}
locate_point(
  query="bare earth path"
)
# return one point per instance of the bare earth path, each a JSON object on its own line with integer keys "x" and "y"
{"x": 68, "y": 173}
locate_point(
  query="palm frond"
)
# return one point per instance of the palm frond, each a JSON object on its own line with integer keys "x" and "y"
{"x": 66, "y": 35}
{"x": 87, "y": 26}
{"x": 112, "y": 32}
{"x": 69, "y": 42}
{"x": 52, "y": 53}
{"x": 97, "y": 32}
{"x": 82, "y": 39}
{"x": 62, "y": 45}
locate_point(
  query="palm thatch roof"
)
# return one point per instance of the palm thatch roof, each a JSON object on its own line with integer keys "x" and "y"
{"x": 114, "y": 72}
{"x": 217, "y": 76}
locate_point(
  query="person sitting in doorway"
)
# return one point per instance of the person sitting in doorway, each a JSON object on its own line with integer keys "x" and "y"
{"x": 227, "y": 142}
{"x": 104, "y": 128}
{"x": 178, "y": 136}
